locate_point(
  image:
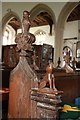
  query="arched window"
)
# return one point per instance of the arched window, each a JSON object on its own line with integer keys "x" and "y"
{"x": 40, "y": 37}
{"x": 5, "y": 37}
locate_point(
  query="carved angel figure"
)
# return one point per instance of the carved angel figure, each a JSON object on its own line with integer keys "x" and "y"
{"x": 25, "y": 22}
{"x": 25, "y": 39}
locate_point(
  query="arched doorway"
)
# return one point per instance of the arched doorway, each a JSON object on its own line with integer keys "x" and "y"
{"x": 39, "y": 8}
{"x": 8, "y": 17}
{"x": 65, "y": 12}
{"x": 10, "y": 23}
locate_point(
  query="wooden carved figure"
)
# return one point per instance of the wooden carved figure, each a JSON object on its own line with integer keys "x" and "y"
{"x": 34, "y": 57}
{"x": 48, "y": 78}
{"x": 67, "y": 57}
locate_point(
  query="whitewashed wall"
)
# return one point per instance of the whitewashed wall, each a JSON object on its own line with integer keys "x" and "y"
{"x": 71, "y": 29}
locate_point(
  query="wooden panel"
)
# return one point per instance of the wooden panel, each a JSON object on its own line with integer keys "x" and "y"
{"x": 44, "y": 54}
{"x": 38, "y": 50}
{"x": 68, "y": 83}
{"x": 10, "y": 56}
{"x": 70, "y": 86}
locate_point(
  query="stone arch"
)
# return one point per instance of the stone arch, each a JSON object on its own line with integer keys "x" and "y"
{"x": 68, "y": 44}
{"x": 65, "y": 12}
{"x": 7, "y": 17}
{"x": 40, "y": 8}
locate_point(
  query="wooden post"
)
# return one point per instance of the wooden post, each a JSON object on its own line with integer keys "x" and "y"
{"x": 22, "y": 77}
{"x": 47, "y": 103}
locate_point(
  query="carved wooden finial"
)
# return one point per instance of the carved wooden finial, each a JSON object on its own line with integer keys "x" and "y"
{"x": 25, "y": 39}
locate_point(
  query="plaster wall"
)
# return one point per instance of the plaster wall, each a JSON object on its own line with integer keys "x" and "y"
{"x": 71, "y": 29}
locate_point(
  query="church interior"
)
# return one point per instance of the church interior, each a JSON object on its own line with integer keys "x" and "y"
{"x": 40, "y": 60}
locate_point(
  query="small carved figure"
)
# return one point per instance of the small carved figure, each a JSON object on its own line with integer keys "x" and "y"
{"x": 67, "y": 57}
{"x": 25, "y": 39}
{"x": 25, "y": 22}
{"x": 58, "y": 66}
{"x": 34, "y": 57}
{"x": 68, "y": 68}
{"x": 48, "y": 78}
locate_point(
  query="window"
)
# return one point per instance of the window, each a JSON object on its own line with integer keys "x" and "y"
{"x": 40, "y": 37}
{"x": 5, "y": 37}
{"x": 9, "y": 36}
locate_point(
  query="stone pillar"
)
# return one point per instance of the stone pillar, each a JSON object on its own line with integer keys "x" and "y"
{"x": 58, "y": 45}
{"x": 79, "y": 30}
{"x": 0, "y": 30}
{"x": 0, "y": 47}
